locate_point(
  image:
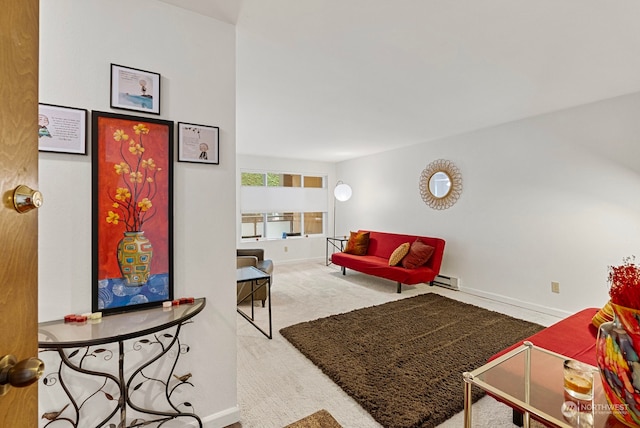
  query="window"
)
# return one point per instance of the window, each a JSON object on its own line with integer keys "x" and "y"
{"x": 284, "y": 180}
{"x": 252, "y": 225}
{"x": 315, "y": 182}
{"x": 276, "y": 205}
{"x": 253, "y": 179}
{"x": 283, "y": 224}
{"x": 313, "y": 223}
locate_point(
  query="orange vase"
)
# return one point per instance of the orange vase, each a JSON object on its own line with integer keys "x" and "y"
{"x": 617, "y": 349}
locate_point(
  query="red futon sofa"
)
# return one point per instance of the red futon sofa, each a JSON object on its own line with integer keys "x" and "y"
{"x": 376, "y": 260}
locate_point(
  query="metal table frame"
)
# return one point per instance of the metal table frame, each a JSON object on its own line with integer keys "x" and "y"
{"x": 337, "y": 243}
{"x": 78, "y": 344}
{"x": 258, "y": 279}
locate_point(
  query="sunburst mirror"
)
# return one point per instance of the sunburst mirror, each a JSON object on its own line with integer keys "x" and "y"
{"x": 440, "y": 184}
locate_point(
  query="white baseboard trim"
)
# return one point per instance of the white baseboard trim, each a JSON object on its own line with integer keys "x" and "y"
{"x": 294, "y": 261}
{"x": 515, "y": 302}
{"x": 221, "y": 419}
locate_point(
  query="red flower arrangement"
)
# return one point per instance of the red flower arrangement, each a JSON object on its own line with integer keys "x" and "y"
{"x": 624, "y": 283}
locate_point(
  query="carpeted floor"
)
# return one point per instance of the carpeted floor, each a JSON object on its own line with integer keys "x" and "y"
{"x": 277, "y": 385}
{"x": 402, "y": 361}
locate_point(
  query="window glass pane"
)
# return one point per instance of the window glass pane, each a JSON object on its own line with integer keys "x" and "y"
{"x": 313, "y": 223}
{"x": 283, "y": 223}
{"x": 252, "y": 225}
{"x": 273, "y": 179}
{"x": 252, "y": 179}
{"x": 291, "y": 180}
{"x": 283, "y": 180}
{"x": 315, "y": 182}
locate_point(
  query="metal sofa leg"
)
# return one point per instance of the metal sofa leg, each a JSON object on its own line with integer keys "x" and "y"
{"x": 399, "y": 287}
{"x": 517, "y": 417}
{"x": 344, "y": 270}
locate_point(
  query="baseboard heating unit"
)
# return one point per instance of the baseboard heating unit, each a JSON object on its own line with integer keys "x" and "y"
{"x": 446, "y": 282}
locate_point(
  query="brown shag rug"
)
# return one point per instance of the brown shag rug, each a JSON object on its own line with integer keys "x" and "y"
{"x": 319, "y": 419}
{"x": 403, "y": 361}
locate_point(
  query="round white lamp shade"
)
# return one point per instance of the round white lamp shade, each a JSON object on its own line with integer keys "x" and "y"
{"x": 342, "y": 192}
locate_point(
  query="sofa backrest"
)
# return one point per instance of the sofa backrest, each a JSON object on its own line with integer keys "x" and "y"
{"x": 382, "y": 244}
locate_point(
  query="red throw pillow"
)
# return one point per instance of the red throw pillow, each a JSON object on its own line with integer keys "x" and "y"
{"x": 419, "y": 254}
{"x": 357, "y": 244}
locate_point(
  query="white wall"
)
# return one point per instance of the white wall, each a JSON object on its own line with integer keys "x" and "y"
{"x": 292, "y": 248}
{"x": 196, "y": 57}
{"x": 549, "y": 198}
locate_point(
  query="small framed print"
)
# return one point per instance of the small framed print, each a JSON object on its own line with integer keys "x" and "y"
{"x": 198, "y": 143}
{"x": 62, "y": 129}
{"x": 133, "y": 89}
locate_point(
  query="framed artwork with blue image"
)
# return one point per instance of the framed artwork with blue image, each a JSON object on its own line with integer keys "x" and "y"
{"x": 134, "y": 89}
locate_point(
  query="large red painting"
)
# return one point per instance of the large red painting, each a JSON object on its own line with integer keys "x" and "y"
{"x": 132, "y": 211}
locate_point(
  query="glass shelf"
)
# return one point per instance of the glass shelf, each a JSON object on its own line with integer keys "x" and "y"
{"x": 114, "y": 328}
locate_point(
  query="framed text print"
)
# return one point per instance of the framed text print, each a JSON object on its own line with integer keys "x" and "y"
{"x": 62, "y": 129}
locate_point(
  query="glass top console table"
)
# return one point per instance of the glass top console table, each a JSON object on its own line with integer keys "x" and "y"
{"x": 99, "y": 384}
{"x": 530, "y": 380}
{"x": 257, "y": 279}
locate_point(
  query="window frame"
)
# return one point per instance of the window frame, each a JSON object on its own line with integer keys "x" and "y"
{"x": 300, "y": 226}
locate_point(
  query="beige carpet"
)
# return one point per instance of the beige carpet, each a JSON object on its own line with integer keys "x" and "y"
{"x": 277, "y": 385}
{"x": 319, "y": 419}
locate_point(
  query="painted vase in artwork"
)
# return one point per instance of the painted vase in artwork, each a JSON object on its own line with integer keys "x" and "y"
{"x": 134, "y": 258}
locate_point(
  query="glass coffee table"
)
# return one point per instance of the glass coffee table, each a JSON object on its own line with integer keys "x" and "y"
{"x": 530, "y": 380}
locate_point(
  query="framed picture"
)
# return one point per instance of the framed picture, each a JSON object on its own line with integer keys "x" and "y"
{"x": 132, "y": 166}
{"x": 62, "y": 129}
{"x": 198, "y": 143}
{"x": 133, "y": 89}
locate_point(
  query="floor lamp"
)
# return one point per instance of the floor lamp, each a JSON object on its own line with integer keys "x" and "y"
{"x": 342, "y": 192}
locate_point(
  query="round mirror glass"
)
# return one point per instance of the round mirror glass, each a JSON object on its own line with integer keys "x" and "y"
{"x": 440, "y": 184}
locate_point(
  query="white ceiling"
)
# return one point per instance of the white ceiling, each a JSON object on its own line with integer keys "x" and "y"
{"x": 336, "y": 79}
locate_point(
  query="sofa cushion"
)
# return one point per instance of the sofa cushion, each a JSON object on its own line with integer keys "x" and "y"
{"x": 399, "y": 253}
{"x": 383, "y": 244}
{"x": 357, "y": 244}
{"x": 419, "y": 254}
{"x": 377, "y": 266}
{"x": 573, "y": 337}
{"x": 605, "y": 314}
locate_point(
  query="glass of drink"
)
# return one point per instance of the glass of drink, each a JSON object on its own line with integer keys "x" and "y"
{"x": 578, "y": 380}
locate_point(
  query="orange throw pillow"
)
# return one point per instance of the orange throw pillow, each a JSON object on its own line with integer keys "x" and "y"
{"x": 357, "y": 244}
{"x": 419, "y": 254}
{"x": 603, "y": 315}
{"x": 399, "y": 253}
